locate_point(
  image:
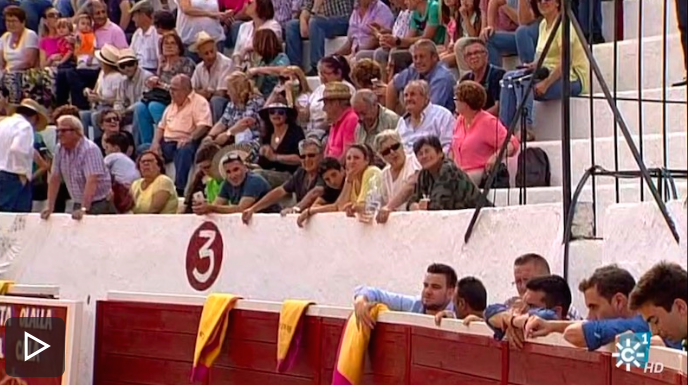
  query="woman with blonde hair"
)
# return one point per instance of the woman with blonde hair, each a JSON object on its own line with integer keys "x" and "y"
{"x": 240, "y": 122}
{"x": 293, "y": 78}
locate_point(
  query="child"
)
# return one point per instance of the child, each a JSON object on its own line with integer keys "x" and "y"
{"x": 86, "y": 43}
{"x": 120, "y": 166}
{"x": 64, "y": 58}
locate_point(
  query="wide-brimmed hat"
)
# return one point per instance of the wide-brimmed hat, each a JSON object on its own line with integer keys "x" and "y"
{"x": 39, "y": 109}
{"x": 108, "y": 54}
{"x": 144, "y": 6}
{"x": 264, "y": 112}
{"x": 242, "y": 150}
{"x": 127, "y": 55}
{"x": 336, "y": 91}
{"x": 201, "y": 38}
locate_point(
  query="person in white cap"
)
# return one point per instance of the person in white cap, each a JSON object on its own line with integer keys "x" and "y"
{"x": 145, "y": 42}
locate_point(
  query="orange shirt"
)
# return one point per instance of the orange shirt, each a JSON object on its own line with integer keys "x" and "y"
{"x": 179, "y": 122}
{"x": 86, "y": 44}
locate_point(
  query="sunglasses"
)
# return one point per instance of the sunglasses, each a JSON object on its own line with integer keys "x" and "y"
{"x": 112, "y": 119}
{"x": 279, "y": 112}
{"x": 309, "y": 156}
{"x": 127, "y": 64}
{"x": 390, "y": 149}
{"x": 52, "y": 15}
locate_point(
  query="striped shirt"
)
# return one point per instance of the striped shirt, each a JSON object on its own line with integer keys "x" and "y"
{"x": 77, "y": 164}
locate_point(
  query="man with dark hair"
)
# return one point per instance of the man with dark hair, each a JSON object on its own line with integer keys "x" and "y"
{"x": 164, "y": 21}
{"x": 661, "y": 297}
{"x": 333, "y": 174}
{"x": 470, "y": 300}
{"x": 438, "y": 290}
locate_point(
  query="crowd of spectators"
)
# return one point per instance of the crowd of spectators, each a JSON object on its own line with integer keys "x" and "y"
{"x": 616, "y": 303}
{"x": 132, "y": 87}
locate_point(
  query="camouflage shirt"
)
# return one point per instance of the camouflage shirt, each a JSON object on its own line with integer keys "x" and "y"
{"x": 451, "y": 189}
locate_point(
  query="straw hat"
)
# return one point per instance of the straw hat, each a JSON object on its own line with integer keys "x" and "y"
{"x": 39, "y": 109}
{"x": 126, "y": 55}
{"x": 336, "y": 91}
{"x": 265, "y": 111}
{"x": 142, "y": 6}
{"x": 201, "y": 38}
{"x": 109, "y": 55}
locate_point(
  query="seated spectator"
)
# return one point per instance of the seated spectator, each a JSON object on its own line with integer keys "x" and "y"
{"x": 550, "y": 88}
{"x": 49, "y": 37}
{"x": 145, "y": 41}
{"x": 424, "y": 118}
{"x": 79, "y": 162}
{"x": 478, "y": 135}
{"x": 261, "y": 13}
{"x": 19, "y": 61}
{"x": 470, "y": 301}
{"x": 441, "y": 185}
{"x": 387, "y": 39}
{"x": 62, "y": 54}
{"x": 498, "y": 16}
{"x": 154, "y": 192}
{"x": 366, "y": 74}
{"x": 508, "y": 36}
{"x": 337, "y": 105}
{"x": 185, "y": 121}
{"x": 293, "y": 85}
{"x": 210, "y": 76}
{"x": 120, "y": 13}
{"x": 330, "y": 69}
{"x": 305, "y": 185}
{"x": 361, "y": 177}
{"x": 474, "y": 54}
{"x": 373, "y": 118}
{"x": 279, "y": 150}
{"x": 661, "y": 297}
{"x": 148, "y": 112}
{"x": 235, "y": 16}
{"x": 109, "y": 122}
{"x": 207, "y": 179}
{"x": 606, "y": 296}
{"x": 400, "y": 175}
{"x": 268, "y": 48}
{"x": 104, "y": 94}
{"x": 131, "y": 88}
{"x": 426, "y": 66}
{"x": 333, "y": 175}
{"x": 240, "y": 190}
{"x": 331, "y": 19}
{"x": 85, "y": 44}
{"x": 449, "y": 17}
{"x": 286, "y": 10}
{"x": 120, "y": 166}
{"x": 194, "y": 16}
{"x": 164, "y": 22}
{"x": 468, "y": 24}
{"x": 361, "y": 34}
{"x": 439, "y": 286}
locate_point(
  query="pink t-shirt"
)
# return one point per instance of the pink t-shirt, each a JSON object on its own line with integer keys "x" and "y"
{"x": 342, "y": 134}
{"x": 49, "y": 45}
{"x": 234, "y": 5}
{"x": 473, "y": 148}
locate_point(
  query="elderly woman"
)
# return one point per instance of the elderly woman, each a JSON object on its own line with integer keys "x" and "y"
{"x": 478, "y": 135}
{"x": 550, "y": 88}
{"x": 267, "y": 46}
{"x": 154, "y": 193}
{"x": 148, "y": 112}
{"x": 79, "y": 162}
{"x": 110, "y": 122}
{"x": 262, "y": 15}
{"x": 441, "y": 185}
{"x": 19, "y": 58}
{"x": 279, "y": 150}
{"x": 240, "y": 122}
{"x": 399, "y": 176}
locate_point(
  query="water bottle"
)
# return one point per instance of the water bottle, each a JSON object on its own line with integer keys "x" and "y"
{"x": 373, "y": 201}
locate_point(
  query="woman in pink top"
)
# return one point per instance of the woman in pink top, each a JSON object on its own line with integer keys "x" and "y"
{"x": 478, "y": 135}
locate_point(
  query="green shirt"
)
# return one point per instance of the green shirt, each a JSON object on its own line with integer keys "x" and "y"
{"x": 212, "y": 188}
{"x": 431, "y": 18}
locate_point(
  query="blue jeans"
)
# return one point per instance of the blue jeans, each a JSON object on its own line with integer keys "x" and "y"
{"x": 513, "y": 90}
{"x": 15, "y": 197}
{"x": 90, "y": 118}
{"x": 146, "y": 117}
{"x": 522, "y": 42}
{"x": 183, "y": 160}
{"x": 319, "y": 29}
{"x": 584, "y": 17}
{"x": 233, "y": 34}
{"x": 217, "y": 107}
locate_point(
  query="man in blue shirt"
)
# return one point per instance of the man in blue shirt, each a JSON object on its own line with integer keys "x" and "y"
{"x": 438, "y": 291}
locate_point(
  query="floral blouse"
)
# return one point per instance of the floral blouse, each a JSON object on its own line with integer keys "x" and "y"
{"x": 183, "y": 66}
{"x": 234, "y": 113}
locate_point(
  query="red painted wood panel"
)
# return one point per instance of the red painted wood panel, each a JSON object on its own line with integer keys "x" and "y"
{"x": 144, "y": 371}
{"x": 638, "y": 377}
{"x": 421, "y": 375}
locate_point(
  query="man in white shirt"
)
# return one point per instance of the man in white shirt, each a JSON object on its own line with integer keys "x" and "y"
{"x": 210, "y": 76}
{"x": 16, "y": 157}
{"x": 145, "y": 42}
{"x": 423, "y": 118}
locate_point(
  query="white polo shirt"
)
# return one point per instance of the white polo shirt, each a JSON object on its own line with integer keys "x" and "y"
{"x": 16, "y": 140}
{"x": 146, "y": 47}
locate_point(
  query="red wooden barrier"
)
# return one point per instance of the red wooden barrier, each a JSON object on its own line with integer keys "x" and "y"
{"x": 153, "y": 344}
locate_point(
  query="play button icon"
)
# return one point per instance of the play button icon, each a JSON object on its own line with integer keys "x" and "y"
{"x": 27, "y": 338}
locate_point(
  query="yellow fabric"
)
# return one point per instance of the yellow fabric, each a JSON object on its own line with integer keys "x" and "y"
{"x": 213, "y": 328}
{"x": 290, "y": 315}
{"x": 352, "y": 350}
{"x": 5, "y": 286}
{"x": 580, "y": 68}
{"x": 144, "y": 198}
{"x": 371, "y": 176}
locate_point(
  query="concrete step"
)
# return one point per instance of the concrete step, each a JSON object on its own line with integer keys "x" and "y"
{"x": 651, "y": 23}
{"x": 654, "y": 120}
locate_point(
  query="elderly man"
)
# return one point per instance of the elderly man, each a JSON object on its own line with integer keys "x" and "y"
{"x": 79, "y": 162}
{"x": 337, "y": 105}
{"x": 184, "y": 123}
{"x": 16, "y": 157}
{"x": 131, "y": 88}
{"x": 424, "y": 118}
{"x": 426, "y": 66}
{"x": 305, "y": 185}
{"x": 372, "y": 117}
{"x": 210, "y": 76}
{"x": 145, "y": 41}
{"x": 482, "y": 71}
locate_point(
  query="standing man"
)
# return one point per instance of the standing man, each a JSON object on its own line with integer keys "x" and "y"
{"x": 16, "y": 157}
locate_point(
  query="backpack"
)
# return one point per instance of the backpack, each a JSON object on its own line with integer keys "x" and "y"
{"x": 533, "y": 163}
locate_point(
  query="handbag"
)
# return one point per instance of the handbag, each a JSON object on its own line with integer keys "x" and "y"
{"x": 501, "y": 180}
{"x": 121, "y": 197}
{"x": 156, "y": 95}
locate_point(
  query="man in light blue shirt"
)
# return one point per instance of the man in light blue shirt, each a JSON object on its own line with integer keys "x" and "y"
{"x": 439, "y": 286}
